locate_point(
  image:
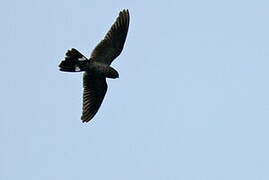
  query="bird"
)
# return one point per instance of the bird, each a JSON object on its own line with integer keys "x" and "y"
{"x": 97, "y": 68}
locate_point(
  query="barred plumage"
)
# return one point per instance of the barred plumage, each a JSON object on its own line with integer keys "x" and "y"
{"x": 97, "y": 68}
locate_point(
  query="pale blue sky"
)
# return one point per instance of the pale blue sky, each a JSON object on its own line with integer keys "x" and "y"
{"x": 191, "y": 102}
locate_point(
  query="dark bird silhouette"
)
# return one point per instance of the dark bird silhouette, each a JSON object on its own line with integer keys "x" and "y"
{"x": 97, "y": 68}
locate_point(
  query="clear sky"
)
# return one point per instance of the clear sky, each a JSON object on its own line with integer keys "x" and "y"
{"x": 191, "y": 102}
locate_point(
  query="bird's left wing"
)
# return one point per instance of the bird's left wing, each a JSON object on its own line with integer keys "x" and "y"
{"x": 111, "y": 46}
{"x": 95, "y": 88}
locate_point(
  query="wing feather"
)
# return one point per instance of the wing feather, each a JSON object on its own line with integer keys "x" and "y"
{"x": 95, "y": 88}
{"x": 111, "y": 46}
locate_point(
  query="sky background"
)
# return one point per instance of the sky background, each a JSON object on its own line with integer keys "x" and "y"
{"x": 191, "y": 102}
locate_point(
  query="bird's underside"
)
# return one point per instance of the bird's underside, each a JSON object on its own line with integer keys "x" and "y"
{"x": 97, "y": 68}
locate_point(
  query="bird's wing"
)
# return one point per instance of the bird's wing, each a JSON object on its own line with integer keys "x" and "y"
{"x": 95, "y": 88}
{"x": 111, "y": 46}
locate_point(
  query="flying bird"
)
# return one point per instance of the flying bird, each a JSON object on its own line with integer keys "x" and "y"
{"x": 97, "y": 68}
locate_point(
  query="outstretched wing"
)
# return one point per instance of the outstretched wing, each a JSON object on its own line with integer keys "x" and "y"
{"x": 111, "y": 46}
{"x": 95, "y": 88}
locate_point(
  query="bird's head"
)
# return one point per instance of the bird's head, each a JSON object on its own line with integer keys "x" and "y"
{"x": 112, "y": 73}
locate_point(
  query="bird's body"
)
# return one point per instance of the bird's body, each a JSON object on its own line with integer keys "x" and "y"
{"x": 97, "y": 68}
{"x": 101, "y": 69}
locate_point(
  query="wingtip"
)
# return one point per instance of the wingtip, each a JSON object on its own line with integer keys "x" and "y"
{"x": 124, "y": 11}
{"x": 125, "y": 15}
{"x": 84, "y": 120}
{"x": 88, "y": 117}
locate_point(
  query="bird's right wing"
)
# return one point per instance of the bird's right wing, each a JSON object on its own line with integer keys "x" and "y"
{"x": 111, "y": 46}
{"x": 95, "y": 88}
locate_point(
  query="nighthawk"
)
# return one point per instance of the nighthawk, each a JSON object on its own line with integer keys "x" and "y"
{"x": 97, "y": 68}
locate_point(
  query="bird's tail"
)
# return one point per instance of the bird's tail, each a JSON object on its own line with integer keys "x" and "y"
{"x": 74, "y": 61}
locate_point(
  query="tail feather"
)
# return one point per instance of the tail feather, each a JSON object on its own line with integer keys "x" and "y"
{"x": 73, "y": 62}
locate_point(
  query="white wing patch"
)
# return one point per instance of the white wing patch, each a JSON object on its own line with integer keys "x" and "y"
{"x": 77, "y": 69}
{"x": 82, "y": 59}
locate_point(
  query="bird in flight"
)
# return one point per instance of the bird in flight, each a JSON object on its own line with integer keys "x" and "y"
{"x": 97, "y": 68}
